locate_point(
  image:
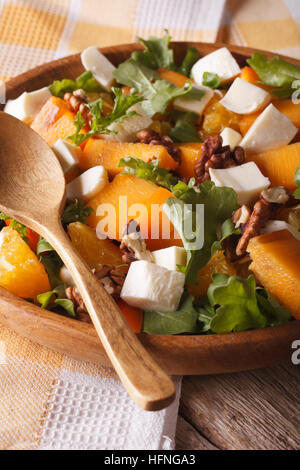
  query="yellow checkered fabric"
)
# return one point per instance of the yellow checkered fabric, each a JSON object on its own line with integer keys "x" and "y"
{"x": 36, "y": 31}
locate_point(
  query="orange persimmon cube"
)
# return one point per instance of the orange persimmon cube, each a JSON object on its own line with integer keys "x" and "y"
{"x": 279, "y": 165}
{"x": 173, "y": 77}
{"x": 20, "y": 270}
{"x": 276, "y": 264}
{"x": 54, "y": 121}
{"x": 106, "y": 153}
{"x": 190, "y": 154}
{"x": 133, "y": 315}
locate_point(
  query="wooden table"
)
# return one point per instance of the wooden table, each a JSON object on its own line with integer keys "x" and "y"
{"x": 249, "y": 410}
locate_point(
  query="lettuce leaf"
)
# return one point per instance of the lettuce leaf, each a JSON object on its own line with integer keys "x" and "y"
{"x": 276, "y": 73}
{"x": 100, "y": 123}
{"x": 184, "y": 129}
{"x": 191, "y": 57}
{"x": 56, "y": 297}
{"x": 184, "y": 320}
{"x": 148, "y": 171}
{"x": 219, "y": 205}
{"x": 85, "y": 81}
{"x": 156, "y": 93}
{"x": 235, "y": 301}
{"x": 76, "y": 211}
{"x": 156, "y": 54}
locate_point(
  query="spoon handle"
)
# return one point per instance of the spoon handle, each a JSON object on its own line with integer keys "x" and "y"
{"x": 146, "y": 383}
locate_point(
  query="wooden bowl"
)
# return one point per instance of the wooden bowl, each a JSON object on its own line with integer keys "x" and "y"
{"x": 184, "y": 354}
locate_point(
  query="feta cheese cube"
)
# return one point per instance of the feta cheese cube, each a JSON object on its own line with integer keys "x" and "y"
{"x": 231, "y": 137}
{"x": 152, "y": 287}
{"x": 195, "y": 106}
{"x": 220, "y": 62}
{"x": 101, "y": 68}
{"x": 271, "y": 130}
{"x": 245, "y": 98}
{"x": 88, "y": 184}
{"x": 276, "y": 225}
{"x": 126, "y": 131}
{"x": 170, "y": 257}
{"x": 27, "y": 105}
{"x": 67, "y": 154}
{"x": 247, "y": 181}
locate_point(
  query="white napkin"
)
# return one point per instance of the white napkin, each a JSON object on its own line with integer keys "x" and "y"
{"x": 89, "y": 411}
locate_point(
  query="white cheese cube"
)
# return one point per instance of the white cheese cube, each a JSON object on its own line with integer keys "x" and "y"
{"x": 230, "y": 137}
{"x": 220, "y": 62}
{"x": 67, "y": 154}
{"x": 27, "y": 105}
{"x": 245, "y": 98}
{"x": 247, "y": 181}
{"x": 88, "y": 184}
{"x": 276, "y": 225}
{"x": 271, "y": 130}
{"x": 170, "y": 257}
{"x": 126, "y": 131}
{"x": 66, "y": 276}
{"x": 194, "y": 106}
{"x": 152, "y": 287}
{"x": 101, "y": 68}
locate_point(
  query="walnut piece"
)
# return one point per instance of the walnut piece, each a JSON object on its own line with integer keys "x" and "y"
{"x": 241, "y": 216}
{"x": 133, "y": 247}
{"x": 77, "y": 102}
{"x": 150, "y": 137}
{"x": 214, "y": 155}
{"x": 276, "y": 195}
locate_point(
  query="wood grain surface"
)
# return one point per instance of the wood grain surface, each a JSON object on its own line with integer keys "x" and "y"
{"x": 212, "y": 354}
{"x": 257, "y": 410}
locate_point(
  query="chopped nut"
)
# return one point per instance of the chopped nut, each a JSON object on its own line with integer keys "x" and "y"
{"x": 133, "y": 246}
{"x": 276, "y": 195}
{"x": 214, "y": 155}
{"x": 72, "y": 293}
{"x": 150, "y": 137}
{"x": 241, "y": 216}
{"x": 77, "y": 102}
{"x": 261, "y": 213}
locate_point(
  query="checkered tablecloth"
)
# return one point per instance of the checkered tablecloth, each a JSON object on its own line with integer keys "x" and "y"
{"x": 48, "y": 401}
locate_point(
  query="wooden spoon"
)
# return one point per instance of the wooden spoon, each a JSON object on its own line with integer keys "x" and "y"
{"x": 32, "y": 190}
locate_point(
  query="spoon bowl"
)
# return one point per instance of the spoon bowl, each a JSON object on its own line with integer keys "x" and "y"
{"x": 32, "y": 190}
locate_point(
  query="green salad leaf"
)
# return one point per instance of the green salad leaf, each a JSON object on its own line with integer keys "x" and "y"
{"x": 184, "y": 320}
{"x": 86, "y": 81}
{"x": 148, "y": 171}
{"x": 227, "y": 229}
{"x": 191, "y": 57}
{"x": 76, "y": 212}
{"x": 276, "y": 73}
{"x": 219, "y": 205}
{"x": 156, "y": 93}
{"x": 157, "y": 52}
{"x": 275, "y": 313}
{"x": 56, "y": 297}
{"x": 296, "y": 193}
{"x": 184, "y": 129}
{"x": 212, "y": 80}
{"x": 235, "y": 303}
{"x": 99, "y": 123}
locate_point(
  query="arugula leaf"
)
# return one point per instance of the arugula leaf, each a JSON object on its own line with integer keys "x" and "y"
{"x": 236, "y": 304}
{"x": 100, "y": 124}
{"x": 156, "y": 93}
{"x": 184, "y": 129}
{"x": 60, "y": 299}
{"x": 157, "y": 53}
{"x": 206, "y": 314}
{"x": 76, "y": 212}
{"x": 86, "y": 81}
{"x": 276, "y": 73}
{"x": 212, "y": 80}
{"x": 276, "y": 313}
{"x": 43, "y": 246}
{"x": 20, "y": 228}
{"x": 296, "y": 193}
{"x": 184, "y": 320}
{"x": 227, "y": 230}
{"x": 219, "y": 204}
{"x": 191, "y": 57}
{"x": 148, "y": 171}
{"x": 52, "y": 264}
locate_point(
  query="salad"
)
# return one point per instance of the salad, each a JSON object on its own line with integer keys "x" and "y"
{"x": 182, "y": 185}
